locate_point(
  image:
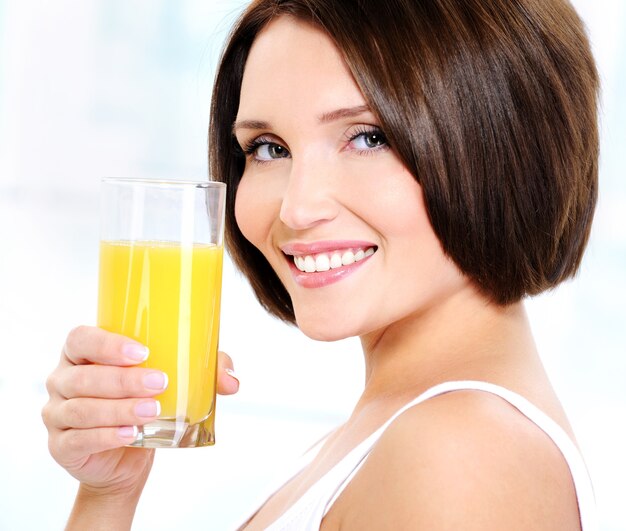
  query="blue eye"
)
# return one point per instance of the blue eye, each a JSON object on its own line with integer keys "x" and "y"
{"x": 271, "y": 151}
{"x": 367, "y": 140}
{"x": 264, "y": 150}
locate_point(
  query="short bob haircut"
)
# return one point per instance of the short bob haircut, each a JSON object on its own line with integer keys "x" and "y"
{"x": 490, "y": 104}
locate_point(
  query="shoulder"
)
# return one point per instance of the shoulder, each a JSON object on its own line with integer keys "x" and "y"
{"x": 462, "y": 460}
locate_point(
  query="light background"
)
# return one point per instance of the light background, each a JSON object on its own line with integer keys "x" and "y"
{"x": 121, "y": 88}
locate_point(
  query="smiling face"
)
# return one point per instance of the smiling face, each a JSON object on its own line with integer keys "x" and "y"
{"x": 325, "y": 198}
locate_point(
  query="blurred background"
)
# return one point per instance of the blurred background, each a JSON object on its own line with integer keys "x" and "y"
{"x": 115, "y": 88}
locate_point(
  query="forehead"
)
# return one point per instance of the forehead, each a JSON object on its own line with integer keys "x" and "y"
{"x": 298, "y": 66}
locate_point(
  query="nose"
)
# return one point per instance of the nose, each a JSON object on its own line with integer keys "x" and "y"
{"x": 308, "y": 197}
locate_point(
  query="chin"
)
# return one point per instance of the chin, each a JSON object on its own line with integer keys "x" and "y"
{"x": 326, "y": 328}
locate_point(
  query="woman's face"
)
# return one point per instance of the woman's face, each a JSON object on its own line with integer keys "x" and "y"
{"x": 323, "y": 196}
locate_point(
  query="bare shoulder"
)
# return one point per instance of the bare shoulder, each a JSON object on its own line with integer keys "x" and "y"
{"x": 462, "y": 460}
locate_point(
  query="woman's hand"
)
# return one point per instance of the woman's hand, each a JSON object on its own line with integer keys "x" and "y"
{"x": 97, "y": 398}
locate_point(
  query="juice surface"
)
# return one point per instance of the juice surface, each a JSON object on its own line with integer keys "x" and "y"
{"x": 167, "y": 296}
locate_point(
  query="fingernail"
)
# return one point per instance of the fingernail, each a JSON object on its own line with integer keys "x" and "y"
{"x": 149, "y": 408}
{"x": 155, "y": 380}
{"x": 135, "y": 351}
{"x": 231, "y": 373}
{"x": 128, "y": 432}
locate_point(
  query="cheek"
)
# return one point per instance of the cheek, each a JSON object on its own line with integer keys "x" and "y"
{"x": 247, "y": 213}
{"x": 398, "y": 210}
{"x": 257, "y": 207}
{"x": 405, "y": 224}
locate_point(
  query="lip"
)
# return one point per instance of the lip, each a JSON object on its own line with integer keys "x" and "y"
{"x": 323, "y": 278}
{"x": 302, "y": 249}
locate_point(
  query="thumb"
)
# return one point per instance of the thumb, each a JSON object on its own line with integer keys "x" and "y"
{"x": 227, "y": 381}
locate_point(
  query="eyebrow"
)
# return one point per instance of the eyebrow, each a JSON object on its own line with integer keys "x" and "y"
{"x": 346, "y": 112}
{"x": 250, "y": 124}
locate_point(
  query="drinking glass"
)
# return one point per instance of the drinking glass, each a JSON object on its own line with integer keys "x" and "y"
{"x": 160, "y": 279}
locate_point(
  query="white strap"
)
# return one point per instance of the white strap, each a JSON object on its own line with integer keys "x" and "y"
{"x": 580, "y": 475}
{"x": 282, "y": 477}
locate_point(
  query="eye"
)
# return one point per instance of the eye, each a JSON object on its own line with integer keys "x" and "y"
{"x": 264, "y": 150}
{"x": 369, "y": 139}
{"x": 271, "y": 151}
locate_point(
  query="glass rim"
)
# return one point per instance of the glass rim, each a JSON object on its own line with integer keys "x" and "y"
{"x": 162, "y": 182}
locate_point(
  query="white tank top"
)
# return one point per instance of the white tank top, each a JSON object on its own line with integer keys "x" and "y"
{"x": 307, "y": 513}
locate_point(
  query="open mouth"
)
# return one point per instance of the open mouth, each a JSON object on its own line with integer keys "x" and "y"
{"x": 320, "y": 262}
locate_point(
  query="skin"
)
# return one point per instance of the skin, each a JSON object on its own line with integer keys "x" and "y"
{"x": 420, "y": 320}
{"x": 463, "y": 460}
{"x": 93, "y": 395}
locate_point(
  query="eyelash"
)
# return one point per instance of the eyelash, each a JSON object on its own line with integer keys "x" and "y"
{"x": 251, "y": 146}
{"x": 369, "y": 130}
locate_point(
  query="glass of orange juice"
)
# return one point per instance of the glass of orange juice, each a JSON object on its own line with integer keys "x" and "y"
{"x": 160, "y": 281}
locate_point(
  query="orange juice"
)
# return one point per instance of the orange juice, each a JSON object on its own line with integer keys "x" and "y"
{"x": 167, "y": 296}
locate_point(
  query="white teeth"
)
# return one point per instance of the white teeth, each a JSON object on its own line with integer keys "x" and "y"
{"x": 347, "y": 258}
{"x": 326, "y": 261}
{"x": 322, "y": 262}
{"x": 335, "y": 260}
{"x": 309, "y": 264}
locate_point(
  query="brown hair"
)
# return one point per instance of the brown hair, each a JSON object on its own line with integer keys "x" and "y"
{"x": 490, "y": 104}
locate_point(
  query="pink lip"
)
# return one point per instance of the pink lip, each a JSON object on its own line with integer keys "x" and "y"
{"x": 302, "y": 249}
{"x": 323, "y": 278}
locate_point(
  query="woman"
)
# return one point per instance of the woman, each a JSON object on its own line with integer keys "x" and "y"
{"x": 406, "y": 172}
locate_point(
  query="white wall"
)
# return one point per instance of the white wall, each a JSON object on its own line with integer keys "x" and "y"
{"x": 115, "y": 88}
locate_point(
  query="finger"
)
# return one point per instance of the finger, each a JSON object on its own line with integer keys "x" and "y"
{"x": 100, "y": 381}
{"x": 85, "y": 413}
{"x": 89, "y": 344}
{"x": 71, "y": 447}
{"x": 227, "y": 381}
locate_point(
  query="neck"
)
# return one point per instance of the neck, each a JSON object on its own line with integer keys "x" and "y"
{"x": 462, "y": 337}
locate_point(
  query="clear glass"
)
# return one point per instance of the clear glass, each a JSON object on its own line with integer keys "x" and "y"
{"x": 161, "y": 251}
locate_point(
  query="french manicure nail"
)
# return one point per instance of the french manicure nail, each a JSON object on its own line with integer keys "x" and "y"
{"x": 128, "y": 432}
{"x": 231, "y": 373}
{"x": 135, "y": 351}
{"x": 149, "y": 408}
{"x": 156, "y": 380}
